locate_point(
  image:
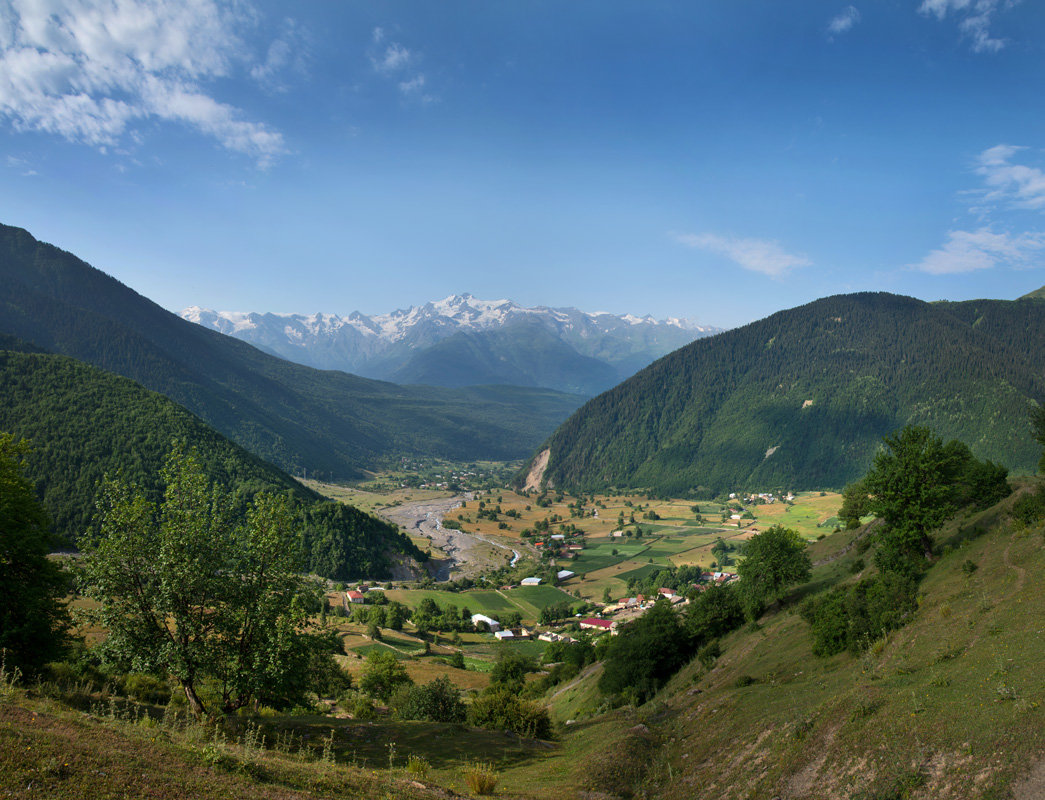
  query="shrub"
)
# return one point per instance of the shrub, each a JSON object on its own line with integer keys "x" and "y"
{"x": 438, "y": 701}
{"x": 147, "y": 689}
{"x": 481, "y": 778}
{"x": 503, "y": 709}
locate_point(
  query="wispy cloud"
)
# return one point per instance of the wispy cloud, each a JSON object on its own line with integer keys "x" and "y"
{"x": 845, "y": 20}
{"x": 968, "y": 251}
{"x": 92, "y": 71}
{"x": 397, "y": 62}
{"x": 287, "y": 53}
{"x": 757, "y": 255}
{"x": 975, "y": 19}
{"x": 1009, "y": 183}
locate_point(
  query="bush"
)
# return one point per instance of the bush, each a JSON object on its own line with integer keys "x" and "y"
{"x": 851, "y": 617}
{"x": 438, "y": 701}
{"x": 503, "y": 709}
{"x": 147, "y": 689}
{"x": 1030, "y": 508}
{"x": 481, "y": 778}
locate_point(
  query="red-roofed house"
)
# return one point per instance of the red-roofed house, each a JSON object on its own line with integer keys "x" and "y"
{"x": 355, "y": 597}
{"x": 599, "y": 624}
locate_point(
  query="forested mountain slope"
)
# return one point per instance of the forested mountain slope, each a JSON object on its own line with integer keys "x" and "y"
{"x": 84, "y": 423}
{"x": 802, "y": 398}
{"x": 332, "y": 423}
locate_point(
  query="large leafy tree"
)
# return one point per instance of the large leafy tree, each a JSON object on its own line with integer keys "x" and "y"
{"x": 915, "y": 484}
{"x": 193, "y": 589}
{"x": 773, "y": 561}
{"x": 32, "y": 616}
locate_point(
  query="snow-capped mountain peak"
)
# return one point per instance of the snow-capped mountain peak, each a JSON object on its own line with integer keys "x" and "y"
{"x": 378, "y": 345}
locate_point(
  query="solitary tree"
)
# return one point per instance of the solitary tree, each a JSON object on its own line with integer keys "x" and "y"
{"x": 191, "y": 589}
{"x": 382, "y": 675}
{"x": 32, "y": 614}
{"x": 773, "y": 560}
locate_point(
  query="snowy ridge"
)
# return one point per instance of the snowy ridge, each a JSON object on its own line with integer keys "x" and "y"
{"x": 457, "y": 312}
{"x": 559, "y": 348}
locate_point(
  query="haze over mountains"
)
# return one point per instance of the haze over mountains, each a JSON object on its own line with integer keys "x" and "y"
{"x": 462, "y": 340}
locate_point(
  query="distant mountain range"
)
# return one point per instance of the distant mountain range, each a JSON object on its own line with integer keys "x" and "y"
{"x": 332, "y": 423}
{"x": 464, "y": 341}
{"x": 802, "y": 398}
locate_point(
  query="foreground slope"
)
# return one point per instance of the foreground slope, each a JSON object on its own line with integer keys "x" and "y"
{"x": 949, "y": 706}
{"x": 802, "y": 398}
{"x": 293, "y": 416}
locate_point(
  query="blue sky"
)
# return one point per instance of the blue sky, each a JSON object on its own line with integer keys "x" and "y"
{"x": 718, "y": 160}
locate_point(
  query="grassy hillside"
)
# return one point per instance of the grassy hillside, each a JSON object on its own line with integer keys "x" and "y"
{"x": 801, "y": 399}
{"x": 296, "y": 417}
{"x": 948, "y": 707}
{"x": 84, "y": 423}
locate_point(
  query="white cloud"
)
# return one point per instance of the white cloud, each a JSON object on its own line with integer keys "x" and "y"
{"x": 92, "y": 70}
{"x": 976, "y": 17}
{"x": 844, "y": 21}
{"x": 395, "y": 57}
{"x": 968, "y": 251}
{"x": 1013, "y": 184}
{"x": 395, "y": 61}
{"x": 757, "y": 255}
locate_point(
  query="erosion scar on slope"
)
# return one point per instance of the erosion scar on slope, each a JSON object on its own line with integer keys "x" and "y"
{"x": 540, "y": 464}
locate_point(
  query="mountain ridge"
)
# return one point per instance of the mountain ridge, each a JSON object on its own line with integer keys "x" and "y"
{"x": 391, "y": 346}
{"x": 801, "y": 398}
{"x": 332, "y": 423}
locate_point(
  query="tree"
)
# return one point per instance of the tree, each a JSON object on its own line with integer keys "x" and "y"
{"x": 438, "y": 701}
{"x": 33, "y": 618}
{"x": 382, "y": 675}
{"x": 645, "y": 654}
{"x": 192, "y": 589}
{"x": 511, "y": 668}
{"x": 773, "y": 560}
{"x": 855, "y": 504}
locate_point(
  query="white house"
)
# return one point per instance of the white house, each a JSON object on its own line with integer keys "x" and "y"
{"x": 493, "y": 624}
{"x": 563, "y": 574}
{"x": 534, "y": 581}
{"x": 502, "y": 635}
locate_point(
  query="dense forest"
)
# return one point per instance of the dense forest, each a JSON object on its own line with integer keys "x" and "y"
{"x": 802, "y": 398}
{"x": 331, "y": 422}
{"x": 83, "y": 423}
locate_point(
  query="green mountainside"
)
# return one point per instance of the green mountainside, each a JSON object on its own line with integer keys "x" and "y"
{"x": 331, "y": 422}
{"x": 802, "y": 398}
{"x": 84, "y": 423}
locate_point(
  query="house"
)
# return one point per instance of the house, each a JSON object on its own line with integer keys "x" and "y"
{"x": 599, "y": 624}
{"x": 502, "y": 635}
{"x": 666, "y": 593}
{"x": 563, "y": 574}
{"x": 617, "y": 534}
{"x": 575, "y": 547}
{"x": 549, "y": 636}
{"x": 355, "y": 597}
{"x": 559, "y": 537}
{"x": 533, "y": 581}
{"x": 493, "y": 624}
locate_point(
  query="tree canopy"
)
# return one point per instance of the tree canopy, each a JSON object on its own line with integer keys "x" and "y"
{"x": 32, "y": 616}
{"x": 773, "y": 560}
{"x": 917, "y": 482}
{"x": 188, "y": 588}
